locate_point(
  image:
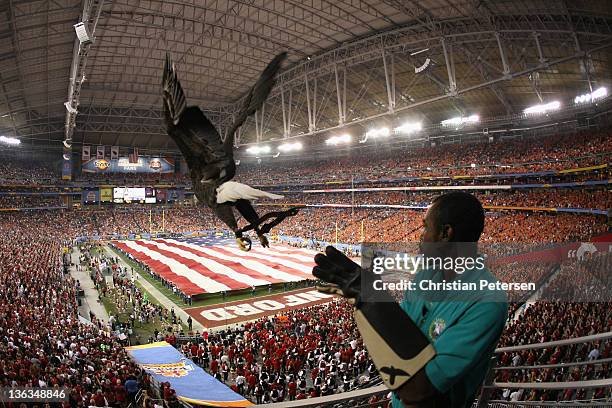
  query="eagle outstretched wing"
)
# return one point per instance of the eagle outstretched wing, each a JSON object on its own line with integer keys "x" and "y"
{"x": 256, "y": 97}
{"x": 196, "y": 137}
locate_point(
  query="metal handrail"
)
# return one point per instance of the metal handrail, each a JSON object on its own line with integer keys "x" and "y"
{"x": 566, "y": 342}
{"x": 568, "y": 404}
{"x": 560, "y": 365}
{"x": 331, "y": 399}
{"x": 587, "y": 384}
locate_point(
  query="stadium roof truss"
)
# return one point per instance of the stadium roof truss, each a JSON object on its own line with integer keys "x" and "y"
{"x": 351, "y": 63}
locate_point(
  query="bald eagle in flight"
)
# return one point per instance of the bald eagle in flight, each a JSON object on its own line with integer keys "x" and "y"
{"x": 210, "y": 159}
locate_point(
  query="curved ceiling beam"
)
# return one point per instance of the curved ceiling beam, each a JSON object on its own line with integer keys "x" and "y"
{"x": 408, "y": 39}
{"x": 295, "y": 21}
{"x": 296, "y": 35}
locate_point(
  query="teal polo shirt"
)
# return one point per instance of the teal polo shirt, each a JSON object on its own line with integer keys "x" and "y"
{"x": 464, "y": 328}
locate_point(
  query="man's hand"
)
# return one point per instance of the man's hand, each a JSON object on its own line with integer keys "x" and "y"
{"x": 342, "y": 275}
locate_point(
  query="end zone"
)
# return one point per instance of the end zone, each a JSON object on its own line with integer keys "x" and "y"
{"x": 218, "y": 315}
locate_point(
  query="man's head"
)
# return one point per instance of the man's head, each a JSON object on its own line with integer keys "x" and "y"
{"x": 453, "y": 217}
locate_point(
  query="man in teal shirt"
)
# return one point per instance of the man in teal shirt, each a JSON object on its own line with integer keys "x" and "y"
{"x": 463, "y": 326}
{"x": 464, "y": 331}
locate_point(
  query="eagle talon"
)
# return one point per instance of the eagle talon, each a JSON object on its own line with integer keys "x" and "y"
{"x": 264, "y": 241}
{"x": 244, "y": 243}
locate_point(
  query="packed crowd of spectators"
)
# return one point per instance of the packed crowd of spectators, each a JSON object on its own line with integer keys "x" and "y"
{"x": 552, "y": 321}
{"x": 295, "y": 355}
{"x": 26, "y": 172}
{"x": 129, "y": 220}
{"x": 30, "y": 201}
{"x": 557, "y": 198}
{"x": 324, "y": 224}
{"x": 129, "y": 178}
{"x": 31, "y": 267}
{"x": 518, "y": 156}
{"x": 583, "y": 280}
{"x": 527, "y": 272}
{"x": 390, "y": 225}
{"x": 314, "y": 351}
{"x": 42, "y": 341}
{"x": 559, "y": 152}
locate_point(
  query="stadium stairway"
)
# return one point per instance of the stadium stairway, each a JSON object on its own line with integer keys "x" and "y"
{"x": 90, "y": 301}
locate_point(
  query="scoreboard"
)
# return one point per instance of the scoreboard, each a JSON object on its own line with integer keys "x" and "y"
{"x": 129, "y": 195}
{"x": 134, "y": 195}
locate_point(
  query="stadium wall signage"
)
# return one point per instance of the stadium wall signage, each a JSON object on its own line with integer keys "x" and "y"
{"x": 240, "y": 311}
{"x": 123, "y": 165}
{"x": 192, "y": 384}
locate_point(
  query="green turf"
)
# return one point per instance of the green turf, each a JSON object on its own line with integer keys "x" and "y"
{"x": 140, "y": 332}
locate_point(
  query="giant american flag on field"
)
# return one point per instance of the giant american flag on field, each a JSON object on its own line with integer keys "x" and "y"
{"x": 215, "y": 264}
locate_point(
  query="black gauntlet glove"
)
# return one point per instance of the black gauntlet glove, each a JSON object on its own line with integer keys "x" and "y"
{"x": 397, "y": 346}
{"x": 342, "y": 276}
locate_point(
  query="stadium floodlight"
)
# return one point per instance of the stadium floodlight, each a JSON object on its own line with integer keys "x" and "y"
{"x": 290, "y": 147}
{"x": 409, "y": 127}
{"x": 258, "y": 149}
{"x": 380, "y": 132}
{"x": 599, "y": 93}
{"x": 341, "y": 139}
{"x": 374, "y": 133}
{"x": 543, "y": 108}
{"x": 10, "y": 140}
{"x": 460, "y": 120}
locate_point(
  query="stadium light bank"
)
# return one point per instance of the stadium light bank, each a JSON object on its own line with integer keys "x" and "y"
{"x": 408, "y": 128}
{"x": 460, "y": 121}
{"x": 599, "y": 93}
{"x": 380, "y": 132}
{"x": 10, "y": 141}
{"x": 290, "y": 147}
{"x": 258, "y": 149}
{"x": 341, "y": 139}
{"x": 376, "y": 133}
{"x": 542, "y": 108}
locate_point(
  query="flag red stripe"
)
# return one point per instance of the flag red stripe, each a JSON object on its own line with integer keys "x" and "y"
{"x": 184, "y": 284}
{"x": 236, "y": 266}
{"x": 270, "y": 262}
{"x": 196, "y": 266}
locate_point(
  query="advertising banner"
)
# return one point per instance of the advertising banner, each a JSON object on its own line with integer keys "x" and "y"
{"x": 191, "y": 383}
{"x": 90, "y": 196}
{"x": 86, "y": 155}
{"x": 106, "y": 194}
{"x": 67, "y": 165}
{"x": 122, "y": 165}
{"x": 161, "y": 195}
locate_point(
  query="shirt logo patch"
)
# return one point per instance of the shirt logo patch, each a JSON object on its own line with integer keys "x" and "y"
{"x": 436, "y": 328}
